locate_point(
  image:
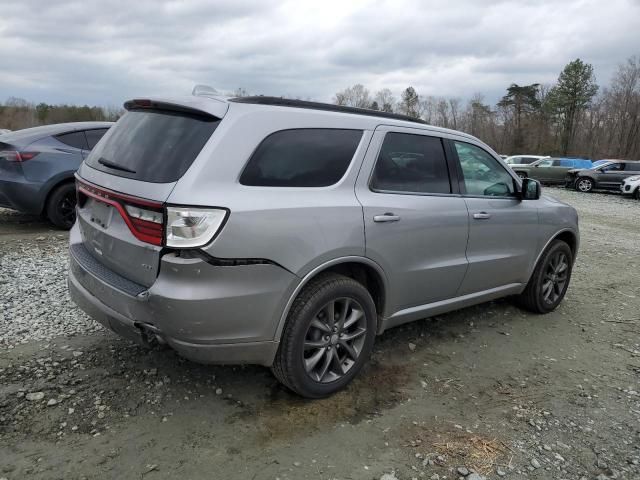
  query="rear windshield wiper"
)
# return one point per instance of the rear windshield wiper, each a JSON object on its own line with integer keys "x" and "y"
{"x": 115, "y": 166}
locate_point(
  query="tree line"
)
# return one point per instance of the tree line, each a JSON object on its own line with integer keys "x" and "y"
{"x": 573, "y": 117}
{"x": 17, "y": 113}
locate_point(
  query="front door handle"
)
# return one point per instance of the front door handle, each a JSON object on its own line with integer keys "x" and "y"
{"x": 482, "y": 216}
{"x": 387, "y": 217}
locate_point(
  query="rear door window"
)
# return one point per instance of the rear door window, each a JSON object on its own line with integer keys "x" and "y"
{"x": 307, "y": 157}
{"x": 412, "y": 164}
{"x": 73, "y": 139}
{"x": 155, "y": 146}
{"x": 94, "y": 136}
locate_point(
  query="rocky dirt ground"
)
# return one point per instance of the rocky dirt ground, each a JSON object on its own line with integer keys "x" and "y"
{"x": 489, "y": 391}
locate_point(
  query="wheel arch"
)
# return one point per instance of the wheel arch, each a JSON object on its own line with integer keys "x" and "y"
{"x": 364, "y": 270}
{"x": 566, "y": 235}
{"x": 52, "y": 187}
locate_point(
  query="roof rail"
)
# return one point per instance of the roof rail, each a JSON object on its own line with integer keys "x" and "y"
{"x": 287, "y": 102}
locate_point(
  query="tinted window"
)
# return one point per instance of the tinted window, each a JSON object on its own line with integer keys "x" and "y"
{"x": 546, "y": 163}
{"x": 633, "y": 167}
{"x": 311, "y": 157}
{"x": 73, "y": 139}
{"x": 93, "y": 136}
{"x": 153, "y": 146}
{"x": 556, "y": 163}
{"x": 528, "y": 160}
{"x": 482, "y": 174}
{"x": 411, "y": 163}
{"x": 613, "y": 167}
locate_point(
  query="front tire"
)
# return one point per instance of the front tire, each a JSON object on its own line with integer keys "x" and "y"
{"x": 584, "y": 185}
{"x": 61, "y": 206}
{"x": 550, "y": 280}
{"x": 327, "y": 338}
{"x": 521, "y": 175}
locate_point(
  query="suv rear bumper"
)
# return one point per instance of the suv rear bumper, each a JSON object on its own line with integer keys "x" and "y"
{"x": 208, "y": 314}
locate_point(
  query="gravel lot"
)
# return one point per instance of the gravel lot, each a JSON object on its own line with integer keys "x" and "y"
{"x": 487, "y": 391}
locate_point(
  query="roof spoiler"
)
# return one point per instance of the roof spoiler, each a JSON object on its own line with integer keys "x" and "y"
{"x": 148, "y": 104}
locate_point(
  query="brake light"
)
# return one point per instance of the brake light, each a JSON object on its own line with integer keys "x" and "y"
{"x": 191, "y": 227}
{"x": 143, "y": 217}
{"x": 15, "y": 156}
{"x": 186, "y": 227}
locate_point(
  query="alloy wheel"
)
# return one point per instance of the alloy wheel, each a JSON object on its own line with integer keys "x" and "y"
{"x": 334, "y": 340}
{"x": 585, "y": 185}
{"x": 555, "y": 278}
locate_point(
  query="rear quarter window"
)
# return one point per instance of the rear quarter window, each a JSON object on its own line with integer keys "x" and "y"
{"x": 307, "y": 157}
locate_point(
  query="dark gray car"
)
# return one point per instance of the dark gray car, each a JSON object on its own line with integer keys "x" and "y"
{"x": 608, "y": 176}
{"x": 37, "y": 166}
{"x": 290, "y": 233}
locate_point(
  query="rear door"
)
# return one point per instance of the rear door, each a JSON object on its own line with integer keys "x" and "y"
{"x": 503, "y": 230}
{"x": 416, "y": 224}
{"x": 125, "y": 181}
{"x": 544, "y": 171}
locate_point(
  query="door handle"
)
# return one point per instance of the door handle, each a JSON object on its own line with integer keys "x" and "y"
{"x": 482, "y": 216}
{"x": 387, "y": 217}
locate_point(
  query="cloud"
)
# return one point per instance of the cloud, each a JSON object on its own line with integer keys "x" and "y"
{"x": 102, "y": 53}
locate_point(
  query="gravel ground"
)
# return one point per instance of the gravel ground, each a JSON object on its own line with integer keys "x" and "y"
{"x": 489, "y": 391}
{"x": 34, "y": 304}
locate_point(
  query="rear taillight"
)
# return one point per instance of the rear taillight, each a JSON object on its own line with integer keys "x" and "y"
{"x": 190, "y": 227}
{"x": 143, "y": 217}
{"x": 15, "y": 156}
{"x": 186, "y": 227}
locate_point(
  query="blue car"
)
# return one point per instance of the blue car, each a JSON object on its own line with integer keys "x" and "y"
{"x": 37, "y": 167}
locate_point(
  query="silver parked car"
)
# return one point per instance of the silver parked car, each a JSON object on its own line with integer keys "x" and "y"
{"x": 289, "y": 234}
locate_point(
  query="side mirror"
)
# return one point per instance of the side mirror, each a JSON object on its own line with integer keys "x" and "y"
{"x": 531, "y": 189}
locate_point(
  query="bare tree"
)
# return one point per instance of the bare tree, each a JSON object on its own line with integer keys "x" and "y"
{"x": 355, "y": 96}
{"x": 385, "y": 100}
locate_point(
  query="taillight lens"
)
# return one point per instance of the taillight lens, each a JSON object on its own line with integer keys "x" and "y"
{"x": 15, "y": 156}
{"x": 192, "y": 227}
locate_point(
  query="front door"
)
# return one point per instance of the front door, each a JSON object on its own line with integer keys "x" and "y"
{"x": 612, "y": 175}
{"x": 416, "y": 225}
{"x": 503, "y": 230}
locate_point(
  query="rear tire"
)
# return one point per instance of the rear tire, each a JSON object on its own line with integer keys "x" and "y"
{"x": 327, "y": 338}
{"x": 584, "y": 185}
{"x": 61, "y": 206}
{"x": 550, "y": 280}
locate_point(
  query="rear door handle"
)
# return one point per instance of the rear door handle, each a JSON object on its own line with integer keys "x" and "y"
{"x": 482, "y": 216}
{"x": 387, "y": 217}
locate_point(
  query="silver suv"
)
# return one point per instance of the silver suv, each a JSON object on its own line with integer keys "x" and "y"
{"x": 289, "y": 234}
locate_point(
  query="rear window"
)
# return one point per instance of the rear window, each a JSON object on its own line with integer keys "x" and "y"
{"x": 74, "y": 139}
{"x": 94, "y": 136}
{"x": 301, "y": 158}
{"x": 152, "y": 145}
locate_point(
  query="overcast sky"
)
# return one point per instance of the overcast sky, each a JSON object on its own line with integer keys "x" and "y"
{"x": 104, "y": 52}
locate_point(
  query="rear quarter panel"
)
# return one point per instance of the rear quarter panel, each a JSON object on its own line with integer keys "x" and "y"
{"x": 298, "y": 228}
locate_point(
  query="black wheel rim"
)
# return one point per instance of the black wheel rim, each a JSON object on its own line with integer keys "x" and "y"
{"x": 66, "y": 209}
{"x": 555, "y": 278}
{"x": 334, "y": 340}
